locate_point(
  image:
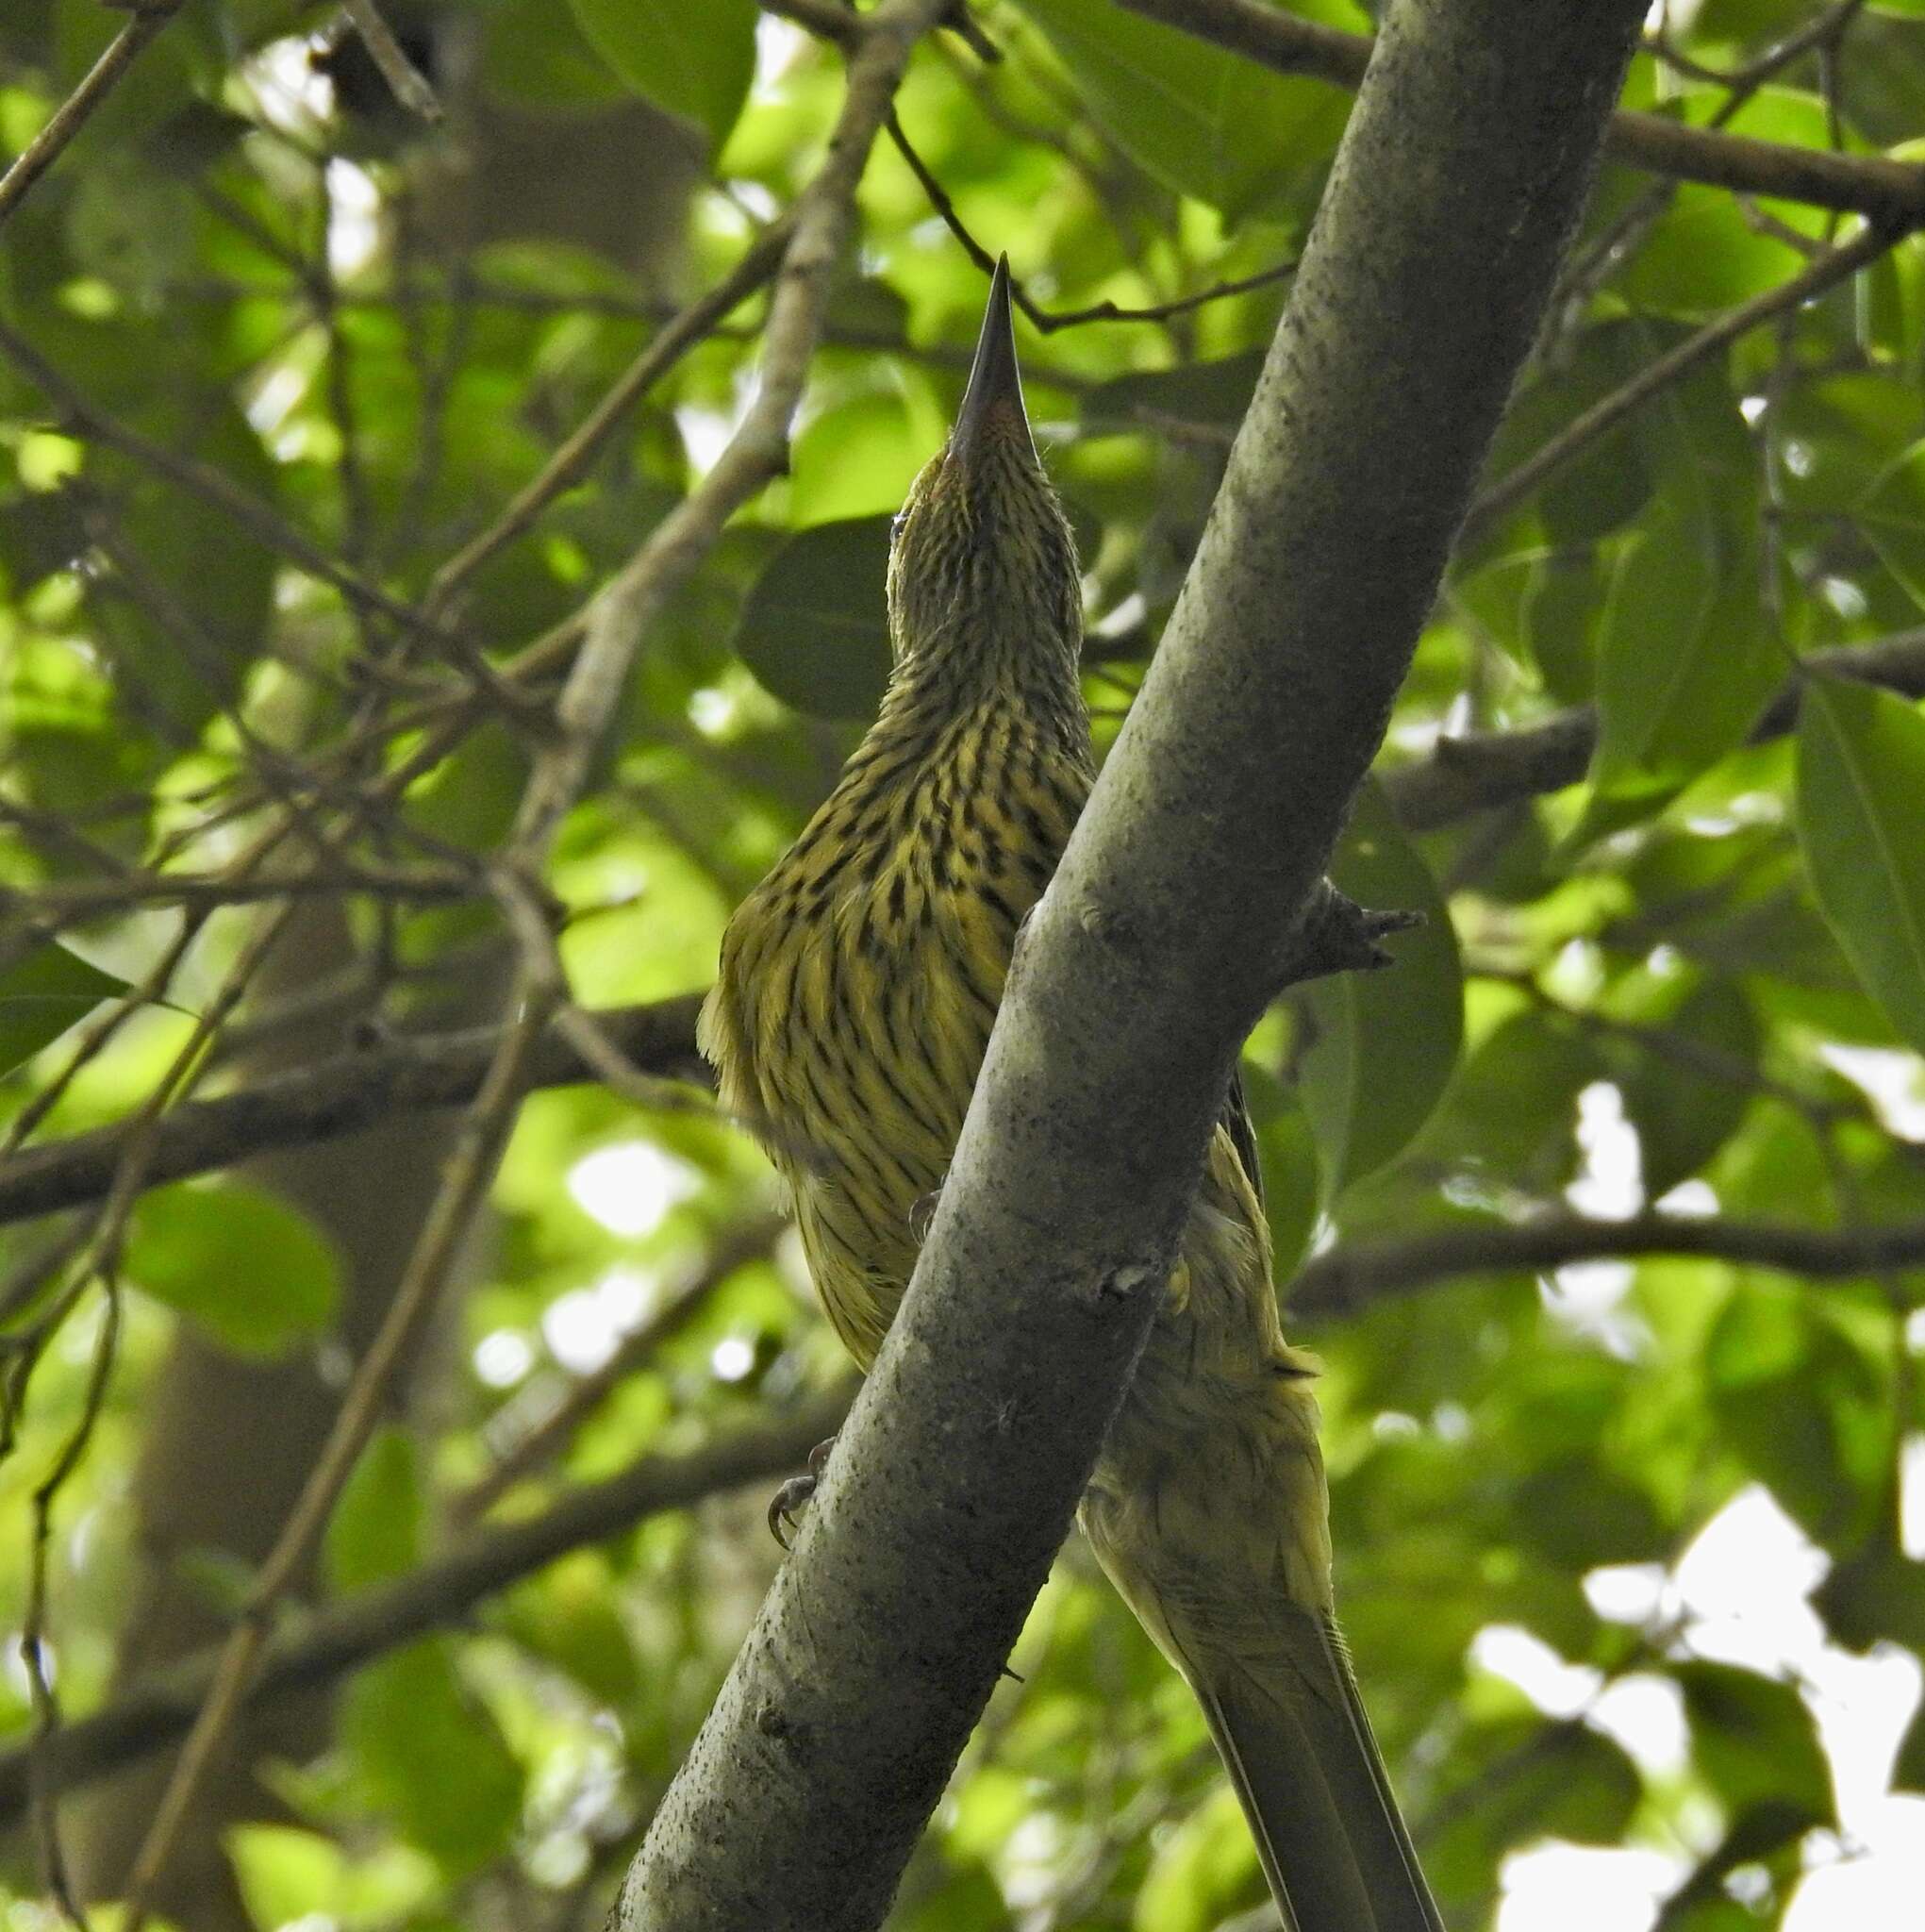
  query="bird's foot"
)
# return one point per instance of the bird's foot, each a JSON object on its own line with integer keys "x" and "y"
{"x": 793, "y": 1497}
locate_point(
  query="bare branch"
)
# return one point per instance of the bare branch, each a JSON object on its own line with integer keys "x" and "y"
{"x": 1824, "y": 271}
{"x": 152, "y": 1714}
{"x": 43, "y": 150}
{"x": 1887, "y": 192}
{"x": 1480, "y": 769}
{"x": 324, "y": 1102}
{"x": 1352, "y": 1276}
{"x": 407, "y": 82}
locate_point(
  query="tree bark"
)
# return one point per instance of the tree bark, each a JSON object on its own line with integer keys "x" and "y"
{"x": 1170, "y": 921}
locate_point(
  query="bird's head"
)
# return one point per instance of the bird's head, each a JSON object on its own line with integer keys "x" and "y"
{"x": 983, "y": 568}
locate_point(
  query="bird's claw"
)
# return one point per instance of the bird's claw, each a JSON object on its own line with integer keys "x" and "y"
{"x": 793, "y": 1497}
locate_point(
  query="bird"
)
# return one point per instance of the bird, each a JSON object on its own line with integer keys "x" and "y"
{"x": 858, "y": 988}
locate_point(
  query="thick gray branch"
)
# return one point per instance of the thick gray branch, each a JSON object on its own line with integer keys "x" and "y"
{"x": 1458, "y": 180}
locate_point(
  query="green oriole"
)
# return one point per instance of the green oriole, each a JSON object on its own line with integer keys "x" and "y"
{"x": 859, "y": 985}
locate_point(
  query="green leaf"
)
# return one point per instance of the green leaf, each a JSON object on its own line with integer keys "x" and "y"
{"x": 970, "y": 1901}
{"x": 1861, "y": 822}
{"x": 696, "y": 63}
{"x": 1215, "y": 392}
{"x": 569, "y": 1615}
{"x": 1560, "y": 610}
{"x": 1607, "y": 482}
{"x": 375, "y": 1531}
{"x": 1753, "y": 1739}
{"x": 1580, "y": 1514}
{"x": 433, "y": 1756}
{"x": 1686, "y": 662}
{"x": 1201, "y": 1870}
{"x": 1688, "y": 1101}
{"x": 533, "y": 53}
{"x": 254, "y": 1272}
{"x": 43, "y": 995}
{"x": 857, "y": 459}
{"x": 1799, "y": 1405}
{"x": 1203, "y": 121}
{"x": 1383, "y": 1045}
{"x": 1908, "y": 1773}
{"x": 1893, "y": 518}
{"x": 815, "y": 628}
{"x": 289, "y": 1876}
{"x": 286, "y": 1874}
{"x": 1519, "y": 1779}
{"x": 1702, "y": 257}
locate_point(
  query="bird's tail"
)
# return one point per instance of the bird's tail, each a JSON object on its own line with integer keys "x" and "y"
{"x": 1298, "y": 1746}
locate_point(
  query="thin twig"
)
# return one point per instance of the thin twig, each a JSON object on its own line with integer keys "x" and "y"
{"x": 203, "y": 480}
{"x": 1048, "y": 321}
{"x": 570, "y": 462}
{"x": 151, "y": 1713}
{"x": 1886, "y": 191}
{"x": 405, "y": 80}
{"x": 545, "y": 1439}
{"x": 1355, "y": 1275}
{"x": 33, "y": 1633}
{"x": 1830, "y": 269}
{"x": 40, "y": 152}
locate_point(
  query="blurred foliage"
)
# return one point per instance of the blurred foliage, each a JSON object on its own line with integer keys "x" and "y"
{"x": 251, "y": 259}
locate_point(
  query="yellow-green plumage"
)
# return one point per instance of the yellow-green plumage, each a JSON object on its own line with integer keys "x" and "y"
{"x": 857, "y": 989}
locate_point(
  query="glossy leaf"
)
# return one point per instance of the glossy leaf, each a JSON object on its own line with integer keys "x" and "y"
{"x": 1861, "y": 823}
{"x": 814, "y": 629}
{"x": 43, "y": 995}
{"x": 695, "y": 63}
{"x": 252, "y": 1271}
{"x": 375, "y": 1531}
{"x": 1383, "y": 1045}
{"x": 1686, "y": 661}
{"x": 1203, "y": 120}
{"x": 433, "y": 1756}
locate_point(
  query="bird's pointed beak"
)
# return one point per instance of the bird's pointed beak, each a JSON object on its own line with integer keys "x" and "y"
{"x": 995, "y": 391}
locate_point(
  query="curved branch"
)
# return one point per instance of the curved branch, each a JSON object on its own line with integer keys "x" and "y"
{"x": 1352, "y": 1276}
